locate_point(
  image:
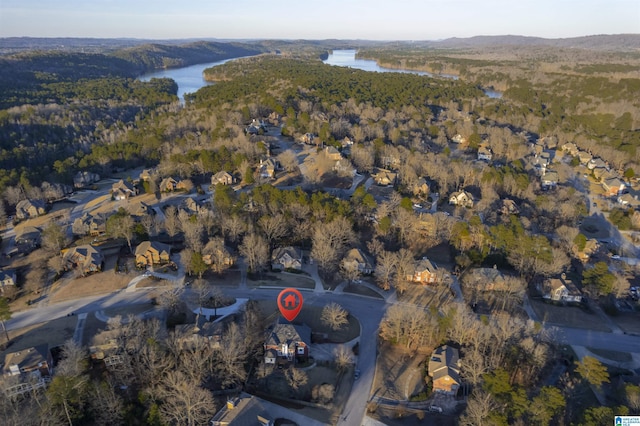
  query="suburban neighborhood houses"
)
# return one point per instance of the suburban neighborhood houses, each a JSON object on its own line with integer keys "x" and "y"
{"x": 463, "y": 259}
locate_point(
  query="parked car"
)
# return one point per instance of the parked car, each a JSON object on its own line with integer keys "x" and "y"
{"x": 434, "y": 409}
{"x": 356, "y": 374}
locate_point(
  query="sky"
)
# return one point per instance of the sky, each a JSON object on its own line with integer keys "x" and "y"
{"x": 316, "y": 19}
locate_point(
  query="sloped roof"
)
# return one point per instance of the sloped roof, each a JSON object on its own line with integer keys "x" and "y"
{"x": 289, "y": 333}
{"x": 29, "y": 357}
{"x": 145, "y": 246}
{"x": 293, "y": 252}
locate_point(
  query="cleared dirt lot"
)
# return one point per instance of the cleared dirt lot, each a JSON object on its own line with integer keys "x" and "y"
{"x": 569, "y": 316}
{"x": 282, "y": 280}
{"x": 100, "y": 283}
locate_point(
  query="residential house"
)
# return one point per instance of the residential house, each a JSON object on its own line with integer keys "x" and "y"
{"x": 601, "y": 174}
{"x": 423, "y": 271}
{"x": 596, "y": 163}
{"x": 542, "y": 161}
{"x": 570, "y": 148}
{"x": 245, "y": 409}
{"x": 205, "y": 333}
{"x": 444, "y": 369}
{"x": 149, "y": 253}
{"x": 122, "y": 190}
{"x": 584, "y": 157}
{"x": 485, "y": 153}
{"x": 590, "y": 248}
{"x": 508, "y": 207}
{"x": 269, "y": 167}
{"x": 384, "y": 177}
{"x": 88, "y": 224}
{"x": 147, "y": 175}
{"x": 287, "y": 343}
{"x": 140, "y": 209}
{"x": 7, "y": 279}
{"x": 561, "y": 290}
{"x": 27, "y": 209}
{"x": 308, "y": 138}
{"x": 485, "y": 279}
{"x": 168, "y": 184}
{"x": 459, "y": 139}
{"x": 286, "y": 258}
{"x": 332, "y": 153}
{"x": 358, "y": 259}
{"x": 213, "y": 254}
{"x": 85, "y": 258}
{"x": 420, "y": 187}
{"x": 28, "y": 239}
{"x": 257, "y": 127}
{"x": 461, "y": 198}
{"x": 549, "y": 179}
{"x": 34, "y": 361}
{"x": 629, "y": 200}
{"x": 223, "y": 178}
{"x": 85, "y": 178}
{"x": 613, "y": 186}
{"x": 343, "y": 167}
{"x": 346, "y": 142}
{"x": 191, "y": 206}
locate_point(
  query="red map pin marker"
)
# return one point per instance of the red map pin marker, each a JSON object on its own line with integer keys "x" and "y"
{"x": 290, "y": 303}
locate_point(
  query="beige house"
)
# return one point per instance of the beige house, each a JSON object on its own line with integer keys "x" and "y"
{"x": 223, "y": 178}
{"x": 7, "y": 279}
{"x": 149, "y": 253}
{"x": 444, "y": 369}
{"x": 461, "y": 198}
{"x": 423, "y": 272}
{"x": 286, "y": 258}
{"x": 358, "y": 259}
{"x": 27, "y": 209}
{"x": 86, "y": 258}
{"x": 561, "y": 290}
{"x": 384, "y": 177}
{"x": 122, "y": 190}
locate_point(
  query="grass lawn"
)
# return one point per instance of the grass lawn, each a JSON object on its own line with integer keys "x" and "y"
{"x": 612, "y": 355}
{"x": 99, "y": 283}
{"x": 569, "y": 316}
{"x": 426, "y": 295}
{"x": 283, "y": 280}
{"x": 628, "y": 321}
{"x": 362, "y": 290}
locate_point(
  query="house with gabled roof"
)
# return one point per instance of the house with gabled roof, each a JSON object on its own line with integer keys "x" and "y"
{"x": 89, "y": 224}
{"x": 461, "y": 198}
{"x": 444, "y": 369}
{"x": 584, "y": 157}
{"x": 358, "y": 259}
{"x": 269, "y": 167}
{"x": 7, "y": 279}
{"x": 28, "y": 239}
{"x": 223, "y": 178}
{"x": 332, "y": 153}
{"x": 384, "y": 177}
{"x": 629, "y": 200}
{"x": 27, "y": 209}
{"x": 122, "y": 190}
{"x": 549, "y": 179}
{"x": 286, "y": 258}
{"x": 485, "y": 153}
{"x": 613, "y": 186}
{"x": 561, "y": 289}
{"x": 149, "y": 253}
{"x": 34, "y": 361}
{"x": 85, "y": 258}
{"x": 287, "y": 343}
{"x": 423, "y": 271}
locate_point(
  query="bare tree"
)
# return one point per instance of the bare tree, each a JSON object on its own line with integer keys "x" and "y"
{"x": 193, "y": 233}
{"x": 343, "y": 357}
{"x": 220, "y": 257}
{"x": 255, "y": 251}
{"x": 230, "y": 358}
{"x": 171, "y": 222}
{"x": 296, "y": 378}
{"x": 330, "y": 241}
{"x": 385, "y": 269}
{"x": 233, "y": 226}
{"x": 334, "y": 316}
{"x": 479, "y": 409}
{"x": 54, "y": 238}
{"x": 274, "y": 227}
{"x": 184, "y": 402}
{"x": 288, "y": 160}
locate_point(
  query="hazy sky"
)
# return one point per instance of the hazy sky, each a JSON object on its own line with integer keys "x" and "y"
{"x": 313, "y": 19}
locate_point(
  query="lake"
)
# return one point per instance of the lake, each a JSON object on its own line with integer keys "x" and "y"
{"x": 347, "y": 58}
{"x": 190, "y": 79}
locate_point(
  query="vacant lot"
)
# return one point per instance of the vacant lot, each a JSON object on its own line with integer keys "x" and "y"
{"x": 427, "y": 295}
{"x": 399, "y": 374}
{"x": 100, "y": 283}
{"x": 568, "y": 316}
{"x": 282, "y": 280}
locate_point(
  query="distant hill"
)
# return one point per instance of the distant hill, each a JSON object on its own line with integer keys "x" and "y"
{"x": 156, "y": 56}
{"x": 615, "y": 42}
